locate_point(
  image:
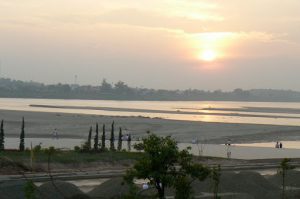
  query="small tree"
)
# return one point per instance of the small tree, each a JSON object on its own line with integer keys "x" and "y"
{"x": 29, "y": 190}
{"x": 284, "y": 167}
{"x": 165, "y": 166}
{"x": 120, "y": 140}
{"x": 96, "y": 139}
{"x": 89, "y": 142}
{"x": 22, "y": 136}
{"x": 112, "y": 137}
{"x": 103, "y": 138}
{"x": 216, "y": 176}
{"x": 2, "y": 137}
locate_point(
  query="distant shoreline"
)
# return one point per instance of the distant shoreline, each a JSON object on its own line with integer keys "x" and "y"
{"x": 121, "y": 91}
{"x": 151, "y": 100}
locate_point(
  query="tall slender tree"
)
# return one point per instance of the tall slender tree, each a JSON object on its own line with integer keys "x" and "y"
{"x": 89, "y": 142}
{"x": 112, "y": 137}
{"x": 96, "y": 139}
{"x": 2, "y": 137}
{"x": 120, "y": 140}
{"x": 103, "y": 138}
{"x": 22, "y": 136}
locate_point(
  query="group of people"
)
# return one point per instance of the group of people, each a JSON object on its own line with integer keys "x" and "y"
{"x": 278, "y": 145}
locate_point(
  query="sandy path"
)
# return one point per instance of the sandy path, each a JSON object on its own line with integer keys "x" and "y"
{"x": 39, "y": 124}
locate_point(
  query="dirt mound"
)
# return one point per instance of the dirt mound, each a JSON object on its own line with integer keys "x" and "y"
{"x": 244, "y": 182}
{"x": 113, "y": 188}
{"x": 11, "y": 167}
{"x": 292, "y": 179}
{"x": 59, "y": 190}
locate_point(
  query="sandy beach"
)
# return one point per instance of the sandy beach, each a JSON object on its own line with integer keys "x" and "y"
{"x": 42, "y": 124}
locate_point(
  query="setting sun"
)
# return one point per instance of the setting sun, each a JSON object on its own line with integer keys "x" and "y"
{"x": 208, "y": 55}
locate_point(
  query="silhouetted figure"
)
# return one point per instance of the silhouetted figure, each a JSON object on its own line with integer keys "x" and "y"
{"x": 280, "y": 145}
{"x": 228, "y": 142}
{"x": 129, "y": 142}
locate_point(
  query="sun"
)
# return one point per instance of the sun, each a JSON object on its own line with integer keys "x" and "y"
{"x": 208, "y": 55}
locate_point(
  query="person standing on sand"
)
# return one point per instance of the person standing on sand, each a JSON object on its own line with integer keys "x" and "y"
{"x": 129, "y": 142}
{"x": 55, "y": 134}
{"x": 280, "y": 145}
{"x": 277, "y": 145}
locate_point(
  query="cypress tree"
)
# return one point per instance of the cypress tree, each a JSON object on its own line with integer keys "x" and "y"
{"x": 2, "y": 136}
{"x": 89, "y": 143}
{"x": 120, "y": 140}
{"x": 22, "y": 136}
{"x": 103, "y": 138}
{"x": 96, "y": 139}
{"x": 112, "y": 137}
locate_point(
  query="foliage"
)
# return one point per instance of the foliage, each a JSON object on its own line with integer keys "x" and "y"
{"x": 216, "y": 176}
{"x": 165, "y": 166}
{"x": 103, "y": 138}
{"x": 121, "y": 91}
{"x": 87, "y": 146}
{"x": 78, "y": 149}
{"x": 22, "y": 136}
{"x": 96, "y": 139}
{"x": 37, "y": 148}
{"x": 29, "y": 190}
{"x": 112, "y": 137}
{"x": 2, "y": 137}
{"x": 89, "y": 141}
{"x": 284, "y": 167}
{"x": 72, "y": 157}
{"x": 120, "y": 140}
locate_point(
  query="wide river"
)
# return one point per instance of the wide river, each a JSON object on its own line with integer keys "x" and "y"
{"x": 276, "y": 113}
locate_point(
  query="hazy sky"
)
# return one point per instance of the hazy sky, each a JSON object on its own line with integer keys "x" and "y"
{"x": 205, "y": 44}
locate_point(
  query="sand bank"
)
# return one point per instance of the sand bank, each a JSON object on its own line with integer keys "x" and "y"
{"x": 40, "y": 124}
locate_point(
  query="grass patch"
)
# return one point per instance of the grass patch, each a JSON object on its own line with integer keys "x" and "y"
{"x": 69, "y": 157}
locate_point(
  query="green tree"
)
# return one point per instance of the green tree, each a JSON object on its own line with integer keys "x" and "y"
{"x": 103, "y": 138}
{"x": 89, "y": 142}
{"x": 112, "y": 137}
{"x": 29, "y": 190}
{"x": 186, "y": 174}
{"x": 216, "y": 176}
{"x": 165, "y": 166}
{"x": 284, "y": 167}
{"x": 22, "y": 136}
{"x": 120, "y": 140}
{"x": 2, "y": 137}
{"x": 96, "y": 139}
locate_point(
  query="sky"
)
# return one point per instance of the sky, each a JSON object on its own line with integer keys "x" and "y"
{"x": 169, "y": 44}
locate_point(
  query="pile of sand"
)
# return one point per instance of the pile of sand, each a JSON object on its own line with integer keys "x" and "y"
{"x": 292, "y": 179}
{"x": 59, "y": 190}
{"x": 250, "y": 183}
{"x": 113, "y": 188}
{"x": 11, "y": 167}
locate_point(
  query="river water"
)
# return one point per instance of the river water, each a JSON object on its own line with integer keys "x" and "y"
{"x": 207, "y": 111}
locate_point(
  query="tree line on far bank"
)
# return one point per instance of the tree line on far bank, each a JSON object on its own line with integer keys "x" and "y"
{"x": 121, "y": 91}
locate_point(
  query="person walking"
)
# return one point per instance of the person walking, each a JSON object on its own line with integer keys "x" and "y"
{"x": 55, "y": 134}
